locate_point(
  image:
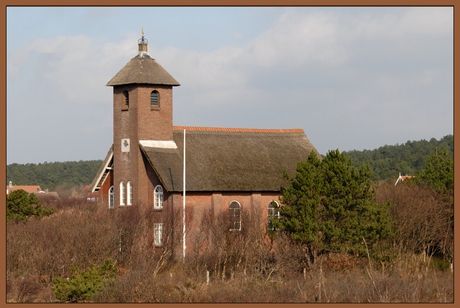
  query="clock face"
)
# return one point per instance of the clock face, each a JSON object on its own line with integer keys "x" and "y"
{"x": 125, "y": 145}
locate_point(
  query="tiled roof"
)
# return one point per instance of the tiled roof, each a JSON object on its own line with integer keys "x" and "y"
{"x": 28, "y": 188}
{"x": 238, "y": 130}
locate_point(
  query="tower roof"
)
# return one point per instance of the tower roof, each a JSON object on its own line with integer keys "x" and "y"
{"x": 143, "y": 69}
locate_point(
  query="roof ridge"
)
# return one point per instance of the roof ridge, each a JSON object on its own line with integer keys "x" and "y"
{"x": 238, "y": 130}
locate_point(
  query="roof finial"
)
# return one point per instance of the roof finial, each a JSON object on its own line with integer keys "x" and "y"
{"x": 142, "y": 42}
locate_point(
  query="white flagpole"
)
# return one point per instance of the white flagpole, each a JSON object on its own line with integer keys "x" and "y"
{"x": 183, "y": 209}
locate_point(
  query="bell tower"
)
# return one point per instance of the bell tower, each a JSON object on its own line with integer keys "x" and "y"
{"x": 142, "y": 110}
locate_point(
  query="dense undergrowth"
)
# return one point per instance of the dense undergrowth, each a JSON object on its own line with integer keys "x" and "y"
{"x": 242, "y": 266}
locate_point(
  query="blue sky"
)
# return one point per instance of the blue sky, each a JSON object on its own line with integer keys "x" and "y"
{"x": 351, "y": 78}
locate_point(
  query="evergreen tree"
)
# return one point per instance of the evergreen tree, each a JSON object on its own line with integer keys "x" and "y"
{"x": 439, "y": 171}
{"x": 330, "y": 206}
{"x": 86, "y": 284}
{"x": 20, "y": 206}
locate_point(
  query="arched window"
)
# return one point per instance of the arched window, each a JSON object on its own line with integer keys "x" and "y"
{"x": 272, "y": 212}
{"x": 122, "y": 193}
{"x": 129, "y": 193}
{"x": 111, "y": 197}
{"x": 158, "y": 198}
{"x": 235, "y": 216}
{"x": 125, "y": 105}
{"x": 154, "y": 101}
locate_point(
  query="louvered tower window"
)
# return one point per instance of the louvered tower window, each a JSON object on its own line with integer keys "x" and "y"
{"x": 154, "y": 103}
{"x": 125, "y": 100}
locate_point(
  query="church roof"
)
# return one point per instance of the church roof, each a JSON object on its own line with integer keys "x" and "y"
{"x": 143, "y": 69}
{"x": 229, "y": 159}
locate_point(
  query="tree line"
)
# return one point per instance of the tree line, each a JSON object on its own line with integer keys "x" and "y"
{"x": 50, "y": 175}
{"x": 408, "y": 158}
{"x": 384, "y": 163}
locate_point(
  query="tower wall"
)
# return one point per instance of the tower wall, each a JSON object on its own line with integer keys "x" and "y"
{"x": 138, "y": 121}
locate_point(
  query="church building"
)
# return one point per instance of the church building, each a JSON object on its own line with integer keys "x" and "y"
{"x": 226, "y": 169}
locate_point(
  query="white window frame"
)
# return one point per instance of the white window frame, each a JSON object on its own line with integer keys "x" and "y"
{"x": 158, "y": 198}
{"x": 272, "y": 212}
{"x": 122, "y": 193}
{"x": 129, "y": 193}
{"x": 234, "y": 224}
{"x": 111, "y": 197}
{"x": 158, "y": 234}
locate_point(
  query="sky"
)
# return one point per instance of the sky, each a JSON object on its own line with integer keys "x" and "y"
{"x": 352, "y": 78}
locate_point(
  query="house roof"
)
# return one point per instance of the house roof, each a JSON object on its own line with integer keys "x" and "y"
{"x": 28, "y": 188}
{"x": 403, "y": 177}
{"x": 222, "y": 159}
{"x": 143, "y": 69}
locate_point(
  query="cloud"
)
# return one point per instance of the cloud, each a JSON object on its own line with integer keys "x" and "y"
{"x": 71, "y": 66}
{"x": 331, "y": 73}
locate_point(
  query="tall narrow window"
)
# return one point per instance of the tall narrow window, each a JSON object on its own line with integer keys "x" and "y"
{"x": 235, "y": 216}
{"x": 129, "y": 193}
{"x": 125, "y": 100}
{"x": 122, "y": 193}
{"x": 158, "y": 234}
{"x": 154, "y": 102}
{"x": 272, "y": 212}
{"x": 111, "y": 197}
{"x": 158, "y": 198}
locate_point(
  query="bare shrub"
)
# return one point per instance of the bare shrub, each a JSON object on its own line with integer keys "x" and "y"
{"x": 226, "y": 252}
{"x": 23, "y": 290}
{"x": 342, "y": 262}
{"x": 71, "y": 191}
{"x": 423, "y": 219}
{"x": 244, "y": 266}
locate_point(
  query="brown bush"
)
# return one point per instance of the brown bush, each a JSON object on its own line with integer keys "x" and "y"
{"x": 424, "y": 220}
{"x": 244, "y": 266}
{"x": 23, "y": 290}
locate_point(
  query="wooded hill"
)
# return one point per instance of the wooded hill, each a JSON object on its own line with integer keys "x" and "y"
{"x": 385, "y": 162}
{"x": 49, "y": 175}
{"x": 408, "y": 158}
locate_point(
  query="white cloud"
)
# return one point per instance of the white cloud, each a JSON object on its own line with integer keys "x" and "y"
{"x": 72, "y": 66}
{"x": 325, "y": 72}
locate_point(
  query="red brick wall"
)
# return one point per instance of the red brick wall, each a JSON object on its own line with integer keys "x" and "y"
{"x": 138, "y": 122}
{"x": 198, "y": 202}
{"x": 103, "y": 196}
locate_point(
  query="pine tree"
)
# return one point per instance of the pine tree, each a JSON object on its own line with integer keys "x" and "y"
{"x": 439, "y": 171}
{"x": 20, "y": 206}
{"x": 330, "y": 206}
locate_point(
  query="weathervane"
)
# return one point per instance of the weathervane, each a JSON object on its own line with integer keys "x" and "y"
{"x": 143, "y": 40}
